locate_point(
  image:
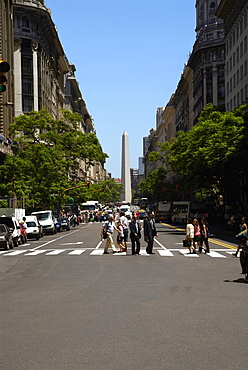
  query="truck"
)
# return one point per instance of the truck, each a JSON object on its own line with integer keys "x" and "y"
{"x": 162, "y": 211}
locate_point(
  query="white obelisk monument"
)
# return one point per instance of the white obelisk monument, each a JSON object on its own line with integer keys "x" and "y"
{"x": 125, "y": 170}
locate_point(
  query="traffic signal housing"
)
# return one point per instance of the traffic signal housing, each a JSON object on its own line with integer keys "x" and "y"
{"x": 4, "y": 68}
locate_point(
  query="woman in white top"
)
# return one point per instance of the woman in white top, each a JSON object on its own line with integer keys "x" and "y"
{"x": 190, "y": 235}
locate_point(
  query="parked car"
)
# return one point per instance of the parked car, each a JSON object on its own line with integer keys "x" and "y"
{"x": 65, "y": 223}
{"x": 32, "y": 226}
{"x": 6, "y": 238}
{"x": 46, "y": 219}
{"x": 32, "y": 230}
{"x": 14, "y": 227}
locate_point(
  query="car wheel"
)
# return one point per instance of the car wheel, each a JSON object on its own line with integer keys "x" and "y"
{"x": 37, "y": 237}
{"x": 7, "y": 246}
{"x": 15, "y": 242}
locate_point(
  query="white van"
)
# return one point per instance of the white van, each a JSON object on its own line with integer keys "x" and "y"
{"x": 126, "y": 209}
{"x": 46, "y": 220}
{"x": 33, "y": 227}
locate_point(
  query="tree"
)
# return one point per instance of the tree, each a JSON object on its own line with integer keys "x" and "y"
{"x": 47, "y": 157}
{"x": 210, "y": 157}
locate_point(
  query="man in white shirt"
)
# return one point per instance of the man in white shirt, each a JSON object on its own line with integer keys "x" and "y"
{"x": 109, "y": 227}
{"x": 125, "y": 225}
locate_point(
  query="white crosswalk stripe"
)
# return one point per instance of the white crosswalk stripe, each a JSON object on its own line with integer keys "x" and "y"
{"x": 172, "y": 252}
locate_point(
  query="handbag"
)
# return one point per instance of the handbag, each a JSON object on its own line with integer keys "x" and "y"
{"x": 104, "y": 235}
{"x": 186, "y": 243}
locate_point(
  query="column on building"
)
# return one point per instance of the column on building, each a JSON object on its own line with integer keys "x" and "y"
{"x": 35, "y": 76}
{"x": 18, "y": 76}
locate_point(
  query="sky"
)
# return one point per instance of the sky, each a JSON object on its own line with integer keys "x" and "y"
{"x": 129, "y": 56}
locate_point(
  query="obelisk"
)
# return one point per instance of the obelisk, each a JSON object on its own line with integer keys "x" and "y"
{"x": 125, "y": 170}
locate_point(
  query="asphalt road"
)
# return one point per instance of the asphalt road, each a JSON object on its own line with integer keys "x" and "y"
{"x": 65, "y": 305}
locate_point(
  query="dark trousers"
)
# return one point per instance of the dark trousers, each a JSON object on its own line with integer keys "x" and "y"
{"x": 150, "y": 244}
{"x": 244, "y": 262}
{"x": 135, "y": 241}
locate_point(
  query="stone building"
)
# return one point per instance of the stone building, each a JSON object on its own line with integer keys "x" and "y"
{"x": 6, "y": 54}
{"x": 207, "y": 59}
{"x": 39, "y": 59}
{"x": 235, "y": 16}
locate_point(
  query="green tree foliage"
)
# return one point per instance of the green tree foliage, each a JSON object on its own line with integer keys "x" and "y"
{"x": 210, "y": 157}
{"x": 47, "y": 156}
{"x": 154, "y": 186}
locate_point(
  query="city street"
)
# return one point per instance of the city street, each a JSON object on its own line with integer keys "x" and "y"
{"x": 65, "y": 305}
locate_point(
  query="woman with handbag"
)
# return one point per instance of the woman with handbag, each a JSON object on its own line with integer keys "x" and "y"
{"x": 189, "y": 236}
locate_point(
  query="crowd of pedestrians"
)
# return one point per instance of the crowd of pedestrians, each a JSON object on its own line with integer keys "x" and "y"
{"x": 123, "y": 228}
{"x": 197, "y": 234}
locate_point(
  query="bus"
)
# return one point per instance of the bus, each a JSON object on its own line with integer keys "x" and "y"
{"x": 162, "y": 212}
{"x": 143, "y": 203}
{"x": 183, "y": 210}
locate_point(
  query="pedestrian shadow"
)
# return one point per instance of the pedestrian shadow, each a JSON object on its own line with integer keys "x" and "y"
{"x": 240, "y": 281}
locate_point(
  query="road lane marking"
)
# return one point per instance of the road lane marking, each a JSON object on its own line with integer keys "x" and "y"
{"x": 215, "y": 254}
{"x": 185, "y": 253}
{"x": 35, "y": 253}
{"x": 55, "y": 252}
{"x": 165, "y": 253}
{"x": 76, "y": 252}
{"x": 97, "y": 252}
{"x": 15, "y": 253}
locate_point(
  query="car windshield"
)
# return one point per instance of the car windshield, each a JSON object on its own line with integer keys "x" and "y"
{"x": 42, "y": 216}
{"x": 2, "y": 229}
{"x": 31, "y": 224}
{"x": 7, "y": 221}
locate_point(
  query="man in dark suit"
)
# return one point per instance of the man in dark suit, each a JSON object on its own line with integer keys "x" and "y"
{"x": 135, "y": 234}
{"x": 149, "y": 232}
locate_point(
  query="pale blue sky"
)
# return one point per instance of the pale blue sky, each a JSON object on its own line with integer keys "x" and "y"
{"x": 129, "y": 55}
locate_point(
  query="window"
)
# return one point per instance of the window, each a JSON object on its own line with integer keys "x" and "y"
{"x": 27, "y": 66}
{"x": 241, "y": 48}
{"x": 25, "y": 22}
{"x": 27, "y": 104}
{"x": 245, "y": 43}
{"x": 234, "y": 59}
{"x": 27, "y": 86}
{"x": 212, "y": 8}
{"x": 241, "y": 72}
{"x": 237, "y": 54}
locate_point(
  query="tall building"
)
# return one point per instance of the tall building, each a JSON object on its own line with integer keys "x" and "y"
{"x": 40, "y": 63}
{"x": 207, "y": 59}
{"x": 6, "y": 54}
{"x": 235, "y": 16}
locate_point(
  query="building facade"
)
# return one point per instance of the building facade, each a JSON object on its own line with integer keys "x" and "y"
{"x": 235, "y": 16}
{"x": 6, "y": 54}
{"x": 39, "y": 60}
{"x": 207, "y": 59}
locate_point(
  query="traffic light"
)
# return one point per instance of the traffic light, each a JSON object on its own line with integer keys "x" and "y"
{"x": 4, "y": 68}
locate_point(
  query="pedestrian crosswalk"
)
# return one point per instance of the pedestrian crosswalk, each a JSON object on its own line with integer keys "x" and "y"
{"x": 214, "y": 253}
